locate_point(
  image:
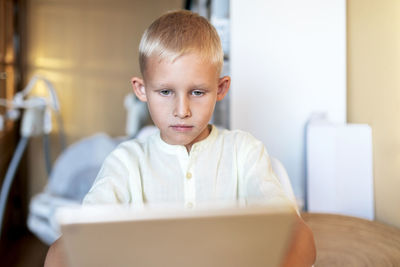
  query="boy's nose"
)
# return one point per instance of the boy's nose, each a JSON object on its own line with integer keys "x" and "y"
{"x": 182, "y": 108}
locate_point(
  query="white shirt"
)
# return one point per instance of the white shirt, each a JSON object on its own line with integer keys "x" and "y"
{"x": 225, "y": 166}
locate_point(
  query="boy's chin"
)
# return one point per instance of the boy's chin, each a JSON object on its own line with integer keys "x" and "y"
{"x": 174, "y": 140}
{"x": 182, "y": 141}
{"x": 183, "y": 138}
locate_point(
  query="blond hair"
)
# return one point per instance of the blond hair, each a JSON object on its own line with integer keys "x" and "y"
{"x": 177, "y": 33}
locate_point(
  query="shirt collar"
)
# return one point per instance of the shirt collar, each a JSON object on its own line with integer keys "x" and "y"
{"x": 180, "y": 149}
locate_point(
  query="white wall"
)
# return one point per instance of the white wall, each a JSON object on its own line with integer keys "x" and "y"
{"x": 288, "y": 60}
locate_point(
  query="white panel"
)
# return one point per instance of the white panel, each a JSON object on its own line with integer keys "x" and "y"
{"x": 288, "y": 59}
{"x": 340, "y": 177}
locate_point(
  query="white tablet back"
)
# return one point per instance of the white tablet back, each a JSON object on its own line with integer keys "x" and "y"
{"x": 228, "y": 236}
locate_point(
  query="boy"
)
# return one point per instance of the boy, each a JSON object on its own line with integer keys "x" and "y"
{"x": 188, "y": 161}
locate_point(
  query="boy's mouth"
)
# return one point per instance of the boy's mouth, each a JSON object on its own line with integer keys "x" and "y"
{"x": 181, "y": 128}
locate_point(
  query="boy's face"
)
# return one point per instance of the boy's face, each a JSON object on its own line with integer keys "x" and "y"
{"x": 181, "y": 97}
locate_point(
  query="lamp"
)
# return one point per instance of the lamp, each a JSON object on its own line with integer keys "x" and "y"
{"x": 36, "y": 121}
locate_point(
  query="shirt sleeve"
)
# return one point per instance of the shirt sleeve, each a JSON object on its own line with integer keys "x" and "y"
{"x": 113, "y": 183}
{"x": 259, "y": 180}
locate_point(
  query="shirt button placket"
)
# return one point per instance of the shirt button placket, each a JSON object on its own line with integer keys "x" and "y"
{"x": 190, "y": 192}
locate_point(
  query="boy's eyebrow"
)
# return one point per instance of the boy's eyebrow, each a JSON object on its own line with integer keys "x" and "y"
{"x": 163, "y": 85}
{"x": 199, "y": 86}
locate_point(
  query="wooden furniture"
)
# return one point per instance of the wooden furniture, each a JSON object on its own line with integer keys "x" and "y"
{"x": 350, "y": 241}
{"x": 12, "y": 25}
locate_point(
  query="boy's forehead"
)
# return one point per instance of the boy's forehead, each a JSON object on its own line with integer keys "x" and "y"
{"x": 172, "y": 58}
{"x": 163, "y": 71}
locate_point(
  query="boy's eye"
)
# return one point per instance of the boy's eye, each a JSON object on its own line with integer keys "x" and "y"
{"x": 165, "y": 92}
{"x": 197, "y": 93}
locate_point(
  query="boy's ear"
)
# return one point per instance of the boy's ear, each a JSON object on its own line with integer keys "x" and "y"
{"x": 223, "y": 87}
{"x": 138, "y": 88}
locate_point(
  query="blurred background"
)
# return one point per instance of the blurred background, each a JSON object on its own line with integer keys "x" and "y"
{"x": 289, "y": 61}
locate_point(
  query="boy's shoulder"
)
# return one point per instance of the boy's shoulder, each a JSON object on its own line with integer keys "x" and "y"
{"x": 238, "y": 136}
{"x": 136, "y": 145}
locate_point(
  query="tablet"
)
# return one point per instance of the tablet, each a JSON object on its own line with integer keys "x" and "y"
{"x": 228, "y": 235}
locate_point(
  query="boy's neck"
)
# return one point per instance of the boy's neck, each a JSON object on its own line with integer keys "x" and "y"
{"x": 208, "y": 131}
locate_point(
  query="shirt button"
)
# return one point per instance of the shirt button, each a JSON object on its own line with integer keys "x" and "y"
{"x": 189, "y": 205}
{"x": 188, "y": 175}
